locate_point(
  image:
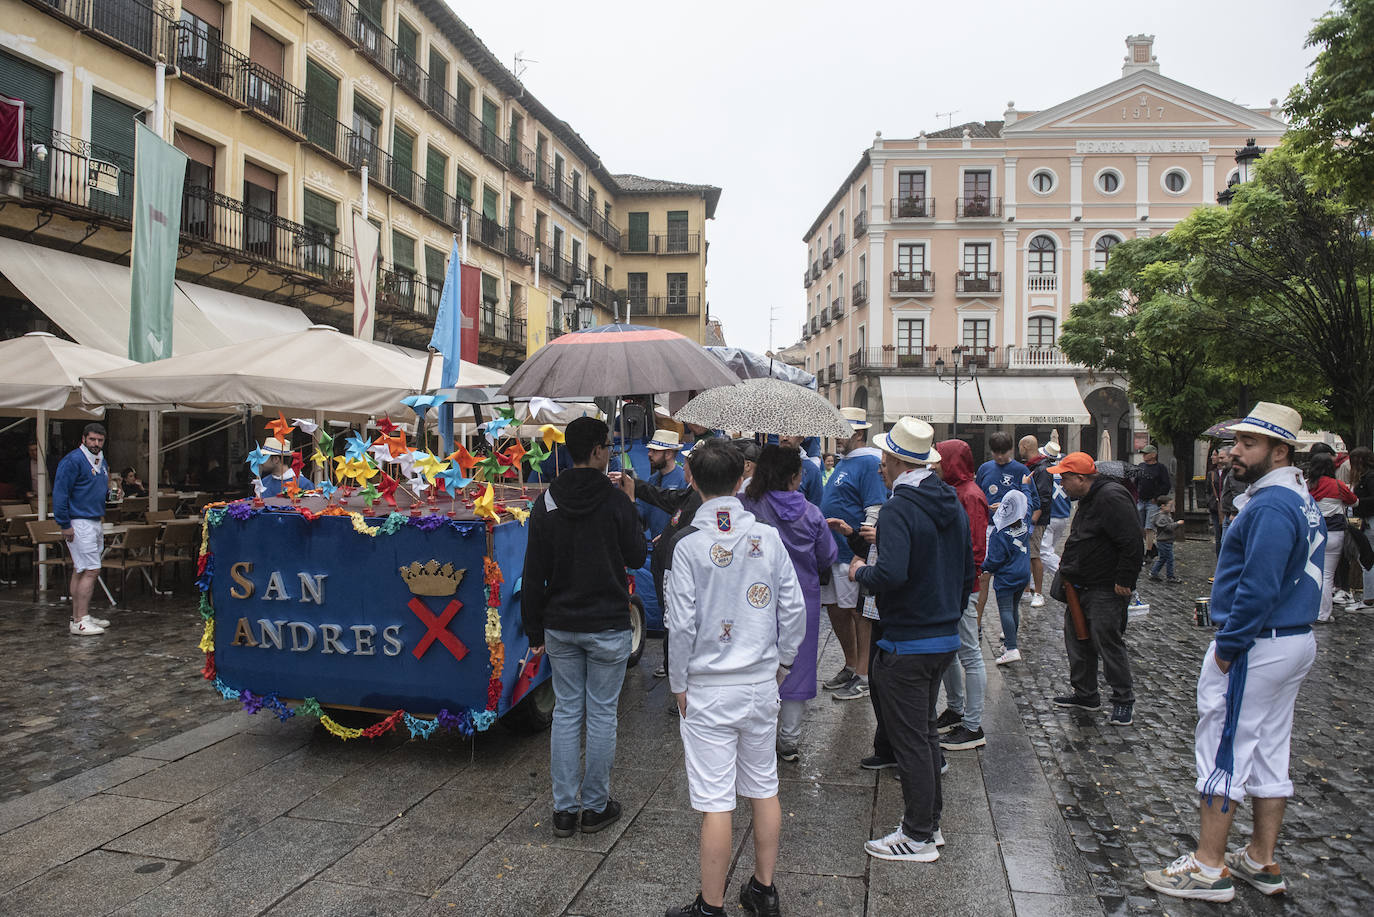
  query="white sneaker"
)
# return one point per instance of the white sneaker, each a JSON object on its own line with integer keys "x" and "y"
{"x": 938, "y": 839}
{"x": 897, "y": 846}
{"x": 1037, "y": 600}
{"x": 86, "y": 627}
{"x": 1009, "y": 656}
{"x": 1341, "y": 597}
{"x": 98, "y": 622}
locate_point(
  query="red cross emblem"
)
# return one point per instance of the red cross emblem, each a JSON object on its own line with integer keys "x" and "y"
{"x": 437, "y": 628}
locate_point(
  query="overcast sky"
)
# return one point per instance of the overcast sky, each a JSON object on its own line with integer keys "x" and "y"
{"x": 774, "y": 103}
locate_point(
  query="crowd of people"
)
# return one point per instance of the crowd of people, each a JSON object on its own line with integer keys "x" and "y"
{"x": 904, "y": 542}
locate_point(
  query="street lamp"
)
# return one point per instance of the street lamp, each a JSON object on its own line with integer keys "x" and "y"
{"x": 577, "y": 309}
{"x": 956, "y": 381}
{"x": 1245, "y": 160}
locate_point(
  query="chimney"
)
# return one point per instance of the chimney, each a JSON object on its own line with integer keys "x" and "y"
{"x": 1140, "y": 55}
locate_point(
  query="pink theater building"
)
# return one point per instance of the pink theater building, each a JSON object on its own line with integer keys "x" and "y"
{"x": 963, "y": 250}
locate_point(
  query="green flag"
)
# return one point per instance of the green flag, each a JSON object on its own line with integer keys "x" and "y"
{"x": 159, "y": 174}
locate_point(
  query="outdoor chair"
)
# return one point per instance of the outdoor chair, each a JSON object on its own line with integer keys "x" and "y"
{"x": 10, "y": 510}
{"x": 47, "y": 533}
{"x": 14, "y": 545}
{"x": 133, "y": 508}
{"x": 158, "y": 516}
{"x": 136, "y": 550}
{"x": 178, "y": 544}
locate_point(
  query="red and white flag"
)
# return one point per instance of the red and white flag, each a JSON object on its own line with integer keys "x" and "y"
{"x": 11, "y": 132}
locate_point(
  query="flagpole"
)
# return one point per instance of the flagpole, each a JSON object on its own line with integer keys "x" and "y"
{"x": 536, "y": 268}
{"x": 464, "y": 249}
{"x": 160, "y": 96}
{"x": 364, "y": 171}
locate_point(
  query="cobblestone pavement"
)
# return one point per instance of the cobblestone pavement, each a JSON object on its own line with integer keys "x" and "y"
{"x": 1127, "y": 794}
{"x": 68, "y": 704}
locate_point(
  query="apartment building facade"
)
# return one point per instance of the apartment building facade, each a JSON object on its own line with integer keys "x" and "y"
{"x": 962, "y": 250}
{"x": 279, "y": 106}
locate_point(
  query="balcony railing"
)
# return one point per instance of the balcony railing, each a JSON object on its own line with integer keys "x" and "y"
{"x": 403, "y": 292}
{"x": 608, "y": 231}
{"x": 838, "y": 247}
{"x": 409, "y": 74}
{"x": 672, "y": 243}
{"x": 659, "y": 304}
{"x": 977, "y": 206}
{"x": 806, "y": 278}
{"x": 820, "y": 374}
{"x": 599, "y": 293}
{"x": 815, "y": 324}
{"x": 80, "y": 177}
{"x": 496, "y": 325}
{"x": 912, "y": 208}
{"x": 836, "y": 373}
{"x": 859, "y": 293}
{"x": 358, "y": 150}
{"x": 557, "y": 267}
{"x": 837, "y": 307}
{"x": 1039, "y": 358}
{"x": 890, "y": 359}
{"x": 520, "y": 158}
{"x": 146, "y": 29}
{"x": 826, "y": 259}
{"x": 912, "y": 282}
{"x": 816, "y": 269}
{"x": 825, "y": 317}
{"x": 978, "y": 282}
{"x": 805, "y": 332}
{"x": 519, "y": 245}
{"x": 488, "y": 233}
{"x": 860, "y": 225}
{"x": 1042, "y": 283}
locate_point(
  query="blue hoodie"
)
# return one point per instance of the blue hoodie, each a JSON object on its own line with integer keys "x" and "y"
{"x": 1007, "y": 559}
{"x": 924, "y": 573}
{"x": 76, "y": 492}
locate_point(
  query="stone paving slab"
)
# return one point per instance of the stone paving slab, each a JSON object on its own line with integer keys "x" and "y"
{"x": 93, "y": 883}
{"x": 377, "y": 795}
{"x": 320, "y": 898}
{"x": 514, "y": 880}
{"x": 22, "y": 809}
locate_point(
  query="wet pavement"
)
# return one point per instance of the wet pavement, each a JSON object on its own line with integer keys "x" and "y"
{"x": 1127, "y": 794}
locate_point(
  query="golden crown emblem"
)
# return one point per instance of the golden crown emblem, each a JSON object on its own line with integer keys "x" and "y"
{"x": 432, "y": 579}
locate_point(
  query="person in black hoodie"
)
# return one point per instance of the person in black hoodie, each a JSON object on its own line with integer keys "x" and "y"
{"x": 921, "y": 582}
{"x": 583, "y": 534}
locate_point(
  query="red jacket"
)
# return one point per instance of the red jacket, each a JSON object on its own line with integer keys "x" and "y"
{"x": 956, "y": 464}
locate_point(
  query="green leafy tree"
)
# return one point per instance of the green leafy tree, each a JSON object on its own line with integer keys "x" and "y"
{"x": 1330, "y": 112}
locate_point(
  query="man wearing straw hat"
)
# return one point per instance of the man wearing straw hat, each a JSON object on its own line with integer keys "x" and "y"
{"x": 921, "y": 581}
{"x": 665, "y": 474}
{"x": 1264, "y": 600}
{"x": 276, "y": 471}
{"x": 852, "y": 498}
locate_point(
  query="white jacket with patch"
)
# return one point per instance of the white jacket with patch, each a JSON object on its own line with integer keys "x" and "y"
{"x": 735, "y": 610}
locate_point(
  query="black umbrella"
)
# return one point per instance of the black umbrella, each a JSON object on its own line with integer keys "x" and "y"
{"x": 617, "y": 360}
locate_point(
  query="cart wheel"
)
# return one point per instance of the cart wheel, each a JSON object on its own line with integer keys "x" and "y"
{"x": 636, "y": 631}
{"x": 534, "y": 713}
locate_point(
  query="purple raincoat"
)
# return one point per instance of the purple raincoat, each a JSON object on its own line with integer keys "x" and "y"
{"x": 812, "y": 549}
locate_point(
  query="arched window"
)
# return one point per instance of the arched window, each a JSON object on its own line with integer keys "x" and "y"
{"x": 1042, "y": 255}
{"x": 1102, "y": 251}
{"x": 1040, "y": 333}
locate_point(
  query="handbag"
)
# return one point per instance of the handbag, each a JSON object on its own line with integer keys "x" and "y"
{"x": 1357, "y": 548}
{"x": 1057, "y": 590}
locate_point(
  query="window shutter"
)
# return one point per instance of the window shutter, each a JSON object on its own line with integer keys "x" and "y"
{"x": 491, "y": 204}
{"x": 407, "y": 39}
{"x": 266, "y": 51}
{"x": 402, "y": 253}
{"x": 403, "y": 150}
{"x": 434, "y": 266}
{"x": 436, "y": 164}
{"x": 490, "y": 292}
{"x": 463, "y": 185}
{"x": 322, "y": 90}
{"x": 639, "y": 232}
{"x": 112, "y": 129}
{"x": 35, "y": 87}
{"x": 372, "y": 9}
{"x": 320, "y": 211}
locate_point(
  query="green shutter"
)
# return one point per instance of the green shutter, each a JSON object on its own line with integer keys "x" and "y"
{"x": 367, "y": 111}
{"x": 491, "y": 116}
{"x": 321, "y": 212}
{"x": 112, "y": 129}
{"x": 490, "y": 289}
{"x": 372, "y": 9}
{"x": 463, "y": 92}
{"x": 403, "y": 150}
{"x": 21, "y": 80}
{"x": 322, "y": 100}
{"x": 462, "y": 185}
{"x": 407, "y": 39}
{"x": 491, "y": 205}
{"x": 639, "y": 232}
{"x": 402, "y": 253}
{"x": 438, "y": 69}
{"x": 434, "y": 266}
{"x": 436, "y": 164}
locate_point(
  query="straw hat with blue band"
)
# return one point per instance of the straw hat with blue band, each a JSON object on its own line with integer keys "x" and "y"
{"x": 666, "y": 440}
{"x": 274, "y": 446}
{"x": 857, "y": 417}
{"x": 911, "y": 440}
{"x": 1273, "y": 420}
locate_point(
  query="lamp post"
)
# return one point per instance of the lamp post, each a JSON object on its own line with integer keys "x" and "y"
{"x": 956, "y": 381}
{"x": 1245, "y": 161}
{"x": 577, "y": 309}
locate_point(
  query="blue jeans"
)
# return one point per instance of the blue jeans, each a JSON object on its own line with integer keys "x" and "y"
{"x": 1165, "y": 559}
{"x": 970, "y": 671}
{"x": 588, "y": 671}
{"x": 1008, "y": 609}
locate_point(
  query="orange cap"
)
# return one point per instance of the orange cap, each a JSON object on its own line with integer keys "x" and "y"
{"x": 1075, "y": 463}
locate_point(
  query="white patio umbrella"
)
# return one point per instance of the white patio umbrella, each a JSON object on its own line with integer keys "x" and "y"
{"x": 40, "y": 376}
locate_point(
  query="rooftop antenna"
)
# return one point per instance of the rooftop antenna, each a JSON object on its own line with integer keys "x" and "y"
{"x": 948, "y": 115}
{"x": 521, "y": 63}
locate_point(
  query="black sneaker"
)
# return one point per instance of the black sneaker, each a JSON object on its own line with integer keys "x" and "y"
{"x": 697, "y": 908}
{"x": 1073, "y": 700}
{"x": 963, "y": 738}
{"x": 877, "y": 763}
{"x": 564, "y": 824}
{"x": 787, "y": 751}
{"x": 593, "y": 822}
{"x": 1123, "y": 714}
{"x": 948, "y": 720}
{"x": 756, "y": 899}
{"x": 839, "y": 679}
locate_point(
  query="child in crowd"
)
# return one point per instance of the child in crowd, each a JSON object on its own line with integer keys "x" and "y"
{"x": 1008, "y": 561}
{"x": 736, "y": 617}
{"x": 1166, "y": 530}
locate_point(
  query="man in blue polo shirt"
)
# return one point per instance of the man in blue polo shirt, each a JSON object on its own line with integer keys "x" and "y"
{"x": 78, "y": 506}
{"x": 812, "y": 487}
{"x": 664, "y": 473}
{"x": 851, "y": 498}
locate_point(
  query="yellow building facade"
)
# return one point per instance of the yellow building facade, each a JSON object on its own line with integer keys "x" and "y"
{"x": 279, "y": 106}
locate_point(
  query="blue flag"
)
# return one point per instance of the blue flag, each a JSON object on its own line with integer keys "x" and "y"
{"x": 448, "y": 339}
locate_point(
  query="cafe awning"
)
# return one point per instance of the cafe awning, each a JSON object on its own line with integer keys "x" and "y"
{"x": 1039, "y": 400}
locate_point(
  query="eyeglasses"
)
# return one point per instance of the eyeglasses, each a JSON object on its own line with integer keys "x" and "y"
{"x": 608, "y": 445}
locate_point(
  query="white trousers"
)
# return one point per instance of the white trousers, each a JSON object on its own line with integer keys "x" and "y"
{"x": 1335, "y": 542}
{"x": 1049, "y": 557}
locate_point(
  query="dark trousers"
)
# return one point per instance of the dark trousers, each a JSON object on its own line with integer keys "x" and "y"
{"x": 1106, "y": 615}
{"x": 909, "y": 686}
{"x": 881, "y": 746}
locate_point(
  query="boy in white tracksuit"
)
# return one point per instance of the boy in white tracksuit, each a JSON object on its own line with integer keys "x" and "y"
{"x": 735, "y": 618}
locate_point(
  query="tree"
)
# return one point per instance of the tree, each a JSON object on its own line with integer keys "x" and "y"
{"x": 1143, "y": 321}
{"x": 1295, "y": 266}
{"x": 1330, "y": 111}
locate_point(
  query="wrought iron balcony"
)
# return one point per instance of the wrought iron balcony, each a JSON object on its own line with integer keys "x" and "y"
{"x": 859, "y": 293}
{"x": 671, "y": 243}
{"x": 836, "y": 374}
{"x": 805, "y": 332}
{"x": 966, "y": 282}
{"x": 499, "y": 326}
{"x": 815, "y": 324}
{"x": 408, "y": 72}
{"x": 922, "y": 359}
{"x": 216, "y": 66}
{"x": 970, "y": 206}
{"x": 837, "y": 307}
{"x": 358, "y": 150}
{"x": 488, "y": 233}
{"x": 838, "y": 247}
{"x": 659, "y": 304}
{"x": 79, "y": 178}
{"x": 912, "y": 282}
{"x": 557, "y": 267}
{"x": 599, "y": 293}
{"x": 608, "y": 231}
{"x": 825, "y": 317}
{"x": 912, "y": 208}
{"x": 806, "y": 278}
{"x": 147, "y": 30}
{"x": 860, "y": 225}
{"x": 402, "y": 291}
{"x": 820, "y": 374}
{"x": 520, "y": 158}
{"x": 519, "y": 245}
{"x": 826, "y": 259}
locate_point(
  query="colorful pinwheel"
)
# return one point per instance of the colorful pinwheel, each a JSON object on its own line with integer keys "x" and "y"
{"x": 485, "y": 505}
{"x": 256, "y": 458}
{"x": 550, "y": 434}
{"x": 280, "y": 428}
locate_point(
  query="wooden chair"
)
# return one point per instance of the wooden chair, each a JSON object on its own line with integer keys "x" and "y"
{"x": 14, "y": 544}
{"x": 10, "y": 510}
{"x": 136, "y": 550}
{"x": 178, "y": 544}
{"x": 158, "y": 516}
{"x": 133, "y": 508}
{"x": 47, "y": 533}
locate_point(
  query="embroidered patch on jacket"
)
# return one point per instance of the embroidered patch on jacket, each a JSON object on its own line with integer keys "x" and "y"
{"x": 755, "y": 546}
{"x": 723, "y": 520}
{"x": 676, "y": 516}
{"x": 725, "y": 631}
{"x": 759, "y": 595}
{"x": 721, "y": 555}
